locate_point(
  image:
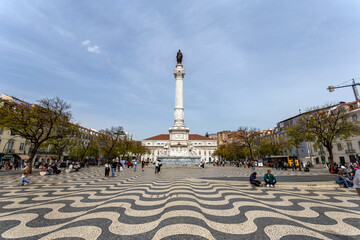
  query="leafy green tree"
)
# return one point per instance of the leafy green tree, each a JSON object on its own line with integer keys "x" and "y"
{"x": 138, "y": 149}
{"x": 48, "y": 120}
{"x": 61, "y": 145}
{"x": 272, "y": 146}
{"x": 124, "y": 149}
{"x": 324, "y": 125}
{"x": 84, "y": 147}
{"x": 231, "y": 151}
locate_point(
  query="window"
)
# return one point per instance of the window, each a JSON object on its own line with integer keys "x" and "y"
{"x": 349, "y": 146}
{"x": 10, "y": 146}
{"x": 12, "y": 133}
{"x": 339, "y": 147}
{"x": 21, "y": 148}
{"x": 359, "y": 144}
{"x": 354, "y": 117}
{"x": 315, "y": 149}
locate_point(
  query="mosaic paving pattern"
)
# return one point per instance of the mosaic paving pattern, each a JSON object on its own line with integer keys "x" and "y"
{"x": 171, "y": 205}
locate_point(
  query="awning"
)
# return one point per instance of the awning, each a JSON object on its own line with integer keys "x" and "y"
{"x": 24, "y": 157}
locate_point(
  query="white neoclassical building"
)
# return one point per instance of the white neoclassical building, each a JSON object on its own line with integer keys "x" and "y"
{"x": 198, "y": 146}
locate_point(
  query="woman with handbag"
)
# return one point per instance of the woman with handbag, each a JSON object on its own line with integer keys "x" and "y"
{"x": 24, "y": 173}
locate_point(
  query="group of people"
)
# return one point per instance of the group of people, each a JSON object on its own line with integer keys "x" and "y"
{"x": 349, "y": 178}
{"x": 347, "y": 167}
{"x": 120, "y": 165}
{"x": 157, "y": 165}
{"x": 269, "y": 178}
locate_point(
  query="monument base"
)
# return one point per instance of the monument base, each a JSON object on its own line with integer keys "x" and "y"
{"x": 180, "y": 161}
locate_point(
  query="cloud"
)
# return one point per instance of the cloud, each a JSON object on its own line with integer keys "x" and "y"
{"x": 94, "y": 49}
{"x": 85, "y": 43}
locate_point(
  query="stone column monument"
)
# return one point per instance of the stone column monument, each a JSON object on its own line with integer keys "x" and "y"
{"x": 180, "y": 152}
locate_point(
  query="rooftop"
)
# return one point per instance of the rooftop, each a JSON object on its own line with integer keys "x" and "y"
{"x": 167, "y": 137}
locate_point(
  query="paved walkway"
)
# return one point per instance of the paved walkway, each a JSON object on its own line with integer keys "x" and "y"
{"x": 175, "y": 204}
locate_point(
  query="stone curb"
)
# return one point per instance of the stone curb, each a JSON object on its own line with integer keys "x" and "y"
{"x": 325, "y": 184}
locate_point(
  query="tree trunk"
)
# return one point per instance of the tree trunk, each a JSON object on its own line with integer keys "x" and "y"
{"x": 32, "y": 155}
{"x": 59, "y": 156}
{"x": 331, "y": 155}
{"x": 297, "y": 153}
{"x": 251, "y": 155}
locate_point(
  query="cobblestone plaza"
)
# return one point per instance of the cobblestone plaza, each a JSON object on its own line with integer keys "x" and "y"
{"x": 176, "y": 204}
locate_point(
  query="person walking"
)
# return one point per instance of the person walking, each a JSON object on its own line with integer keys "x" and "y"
{"x": 253, "y": 165}
{"x": 293, "y": 165}
{"x": 159, "y": 166}
{"x": 156, "y": 167}
{"x": 142, "y": 165}
{"x": 269, "y": 179}
{"x": 23, "y": 176}
{"x": 113, "y": 168}
{"x": 107, "y": 170}
{"x": 135, "y": 165}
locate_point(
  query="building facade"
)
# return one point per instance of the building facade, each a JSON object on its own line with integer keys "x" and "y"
{"x": 15, "y": 148}
{"x": 344, "y": 151}
{"x": 199, "y": 145}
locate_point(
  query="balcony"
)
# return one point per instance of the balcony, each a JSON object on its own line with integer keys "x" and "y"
{"x": 321, "y": 152}
{"x": 350, "y": 151}
{"x": 9, "y": 151}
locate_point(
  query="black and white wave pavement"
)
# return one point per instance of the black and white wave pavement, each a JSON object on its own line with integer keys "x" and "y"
{"x": 142, "y": 205}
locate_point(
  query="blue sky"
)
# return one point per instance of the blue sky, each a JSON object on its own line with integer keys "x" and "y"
{"x": 248, "y": 63}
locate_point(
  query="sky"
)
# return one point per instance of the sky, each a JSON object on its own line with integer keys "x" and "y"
{"x": 247, "y": 63}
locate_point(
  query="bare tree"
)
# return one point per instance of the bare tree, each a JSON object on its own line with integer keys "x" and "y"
{"x": 250, "y": 139}
{"x": 109, "y": 140}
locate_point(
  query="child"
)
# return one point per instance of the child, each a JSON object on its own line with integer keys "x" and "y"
{"x": 23, "y": 180}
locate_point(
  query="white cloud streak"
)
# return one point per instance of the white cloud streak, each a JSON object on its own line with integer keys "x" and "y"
{"x": 92, "y": 49}
{"x": 85, "y": 43}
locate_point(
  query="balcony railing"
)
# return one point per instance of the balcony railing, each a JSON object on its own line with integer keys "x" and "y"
{"x": 10, "y": 151}
{"x": 350, "y": 151}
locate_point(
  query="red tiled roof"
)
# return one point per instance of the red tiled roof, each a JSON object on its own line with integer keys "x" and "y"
{"x": 197, "y": 137}
{"x": 167, "y": 137}
{"x": 159, "y": 137}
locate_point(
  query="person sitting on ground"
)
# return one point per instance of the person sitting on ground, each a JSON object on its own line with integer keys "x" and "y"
{"x": 269, "y": 179}
{"x": 254, "y": 180}
{"x": 50, "y": 170}
{"x": 350, "y": 175}
{"x": 340, "y": 179}
{"x": 56, "y": 169}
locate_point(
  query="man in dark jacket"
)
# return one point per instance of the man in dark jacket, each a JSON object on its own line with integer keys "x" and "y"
{"x": 113, "y": 168}
{"x": 254, "y": 180}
